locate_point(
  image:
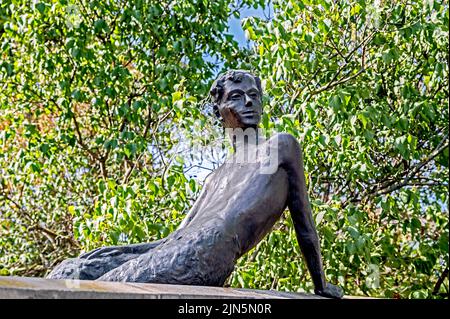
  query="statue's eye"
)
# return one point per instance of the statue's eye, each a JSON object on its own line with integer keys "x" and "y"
{"x": 236, "y": 96}
{"x": 253, "y": 95}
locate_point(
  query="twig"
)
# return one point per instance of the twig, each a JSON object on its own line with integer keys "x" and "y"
{"x": 440, "y": 281}
{"x": 415, "y": 169}
{"x": 333, "y": 84}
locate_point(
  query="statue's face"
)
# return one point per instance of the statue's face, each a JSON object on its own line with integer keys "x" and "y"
{"x": 241, "y": 104}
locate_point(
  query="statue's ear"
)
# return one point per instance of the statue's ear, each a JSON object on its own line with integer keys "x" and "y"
{"x": 214, "y": 92}
{"x": 258, "y": 85}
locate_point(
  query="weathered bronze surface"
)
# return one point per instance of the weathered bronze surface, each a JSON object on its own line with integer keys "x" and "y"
{"x": 239, "y": 204}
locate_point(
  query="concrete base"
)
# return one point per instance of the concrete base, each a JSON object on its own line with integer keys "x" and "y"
{"x": 40, "y": 288}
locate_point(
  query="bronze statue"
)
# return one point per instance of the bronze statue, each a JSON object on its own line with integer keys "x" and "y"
{"x": 237, "y": 207}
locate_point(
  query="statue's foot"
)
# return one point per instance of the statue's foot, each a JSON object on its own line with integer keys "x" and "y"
{"x": 95, "y": 263}
{"x": 330, "y": 291}
{"x": 67, "y": 269}
{"x": 91, "y": 267}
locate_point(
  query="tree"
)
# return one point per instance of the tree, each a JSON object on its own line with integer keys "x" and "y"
{"x": 364, "y": 87}
{"x": 99, "y": 101}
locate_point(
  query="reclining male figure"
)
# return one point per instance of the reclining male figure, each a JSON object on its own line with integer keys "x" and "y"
{"x": 238, "y": 206}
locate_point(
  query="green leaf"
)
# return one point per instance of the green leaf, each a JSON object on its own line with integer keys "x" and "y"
{"x": 192, "y": 185}
{"x": 353, "y": 232}
{"x": 41, "y": 7}
{"x": 319, "y": 217}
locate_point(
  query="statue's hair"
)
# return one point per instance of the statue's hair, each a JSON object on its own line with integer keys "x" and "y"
{"x": 217, "y": 88}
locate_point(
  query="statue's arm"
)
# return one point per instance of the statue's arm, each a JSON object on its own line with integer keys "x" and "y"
{"x": 300, "y": 208}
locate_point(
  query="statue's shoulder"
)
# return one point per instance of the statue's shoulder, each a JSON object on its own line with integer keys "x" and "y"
{"x": 284, "y": 138}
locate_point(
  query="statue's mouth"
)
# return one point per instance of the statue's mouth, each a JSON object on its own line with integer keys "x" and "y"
{"x": 248, "y": 113}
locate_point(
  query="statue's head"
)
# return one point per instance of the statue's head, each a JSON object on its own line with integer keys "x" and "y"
{"x": 237, "y": 99}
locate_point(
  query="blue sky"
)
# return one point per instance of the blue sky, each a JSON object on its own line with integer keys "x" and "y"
{"x": 236, "y": 28}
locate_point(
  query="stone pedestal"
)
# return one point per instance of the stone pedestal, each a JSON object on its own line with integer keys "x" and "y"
{"x": 40, "y": 288}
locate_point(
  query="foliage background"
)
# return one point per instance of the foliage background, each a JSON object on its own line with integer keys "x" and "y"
{"x": 100, "y": 101}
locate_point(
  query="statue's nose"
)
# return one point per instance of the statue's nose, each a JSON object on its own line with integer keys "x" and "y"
{"x": 248, "y": 101}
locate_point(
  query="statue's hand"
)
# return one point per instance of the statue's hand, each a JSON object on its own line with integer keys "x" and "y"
{"x": 330, "y": 291}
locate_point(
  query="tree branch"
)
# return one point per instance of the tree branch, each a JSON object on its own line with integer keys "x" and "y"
{"x": 416, "y": 168}
{"x": 332, "y": 84}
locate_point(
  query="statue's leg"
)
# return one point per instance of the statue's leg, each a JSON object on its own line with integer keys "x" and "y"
{"x": 93, "y": 264}
{"x": 175, "y": 263}
{"x": 140, "y": 269}
{"x": 125, "y": 249}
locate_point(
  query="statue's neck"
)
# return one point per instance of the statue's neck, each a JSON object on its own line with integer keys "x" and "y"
{"x": 244, "y": 138}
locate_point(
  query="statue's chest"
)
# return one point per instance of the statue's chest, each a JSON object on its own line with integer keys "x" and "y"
{"x": 235, "y": 175}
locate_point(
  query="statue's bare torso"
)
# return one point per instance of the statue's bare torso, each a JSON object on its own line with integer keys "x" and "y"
{"x": 237, "y": 207}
